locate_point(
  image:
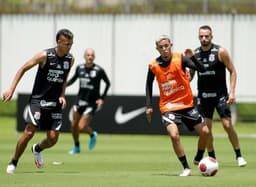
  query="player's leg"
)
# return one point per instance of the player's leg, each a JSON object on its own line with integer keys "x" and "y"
{"x": 173, "y": 132}
{"x": 210, "y": 142}
{"x": 76, "y": 116}
{"x": 50, "y": 140}
{"x": 225, "y": 113}
{"x": 51, "y": 121}
{"x": 75, "y": 127}
{"x": 84, "y": 126}
{"x": 21, "y": 146}
{"x": 233, "y": 138}
{"x": 203, "y": 132}
{"x": 206, "y": 108}
{"x": 194, "y": 121}
{"x": 232, "y": 135}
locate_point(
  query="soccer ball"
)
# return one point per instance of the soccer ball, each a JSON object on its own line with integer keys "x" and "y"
{"x": 208, "y": 166}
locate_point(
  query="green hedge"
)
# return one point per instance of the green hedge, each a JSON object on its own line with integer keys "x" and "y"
{"x": 8, "y": 108}
{"x": 133, "y": 7}
{"x": 246, "y": 111}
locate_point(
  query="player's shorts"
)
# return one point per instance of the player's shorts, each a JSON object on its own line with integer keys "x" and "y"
{"x": 206, "y": 107}
{"x": 84, "y": 108}
{"x": 43, "y": 118}
{"x": 189, "y": 117}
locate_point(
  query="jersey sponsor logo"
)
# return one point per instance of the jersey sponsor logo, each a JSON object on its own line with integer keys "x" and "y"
{"x": 55, "y": 76}
{"x": 209, "y": 95}
{"x": 121, "y": 117}
{"x": 169, "y": 87}
{"x": 173, "y": 105}
{"x": 44, "y": 103}
{"x": 207, "y": 73}
{"x": 82, "y": 103}
{"x": 85, "y": 83}
{"x": 206, "y": 65}
{"x": 174, "y": 90}
{"x": 56, "y": 116}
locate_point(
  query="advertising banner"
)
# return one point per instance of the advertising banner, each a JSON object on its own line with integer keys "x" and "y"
{"x": 119, "y": 115}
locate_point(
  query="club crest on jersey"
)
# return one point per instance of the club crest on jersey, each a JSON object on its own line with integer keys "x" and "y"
{"x": 37, "y": 115}
{"x": 211, "y": 57}
{"x": 66, "y": 65}
{"x": 171, "y": 116}
{"x": 92, "y": 73}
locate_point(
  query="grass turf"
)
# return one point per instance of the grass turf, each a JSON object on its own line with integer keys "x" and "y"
{"x": 124, "y": 161}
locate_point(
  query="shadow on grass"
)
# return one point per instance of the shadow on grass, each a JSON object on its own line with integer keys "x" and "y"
{"x": 174, "y": 174}
{"x": 44, "y": 172}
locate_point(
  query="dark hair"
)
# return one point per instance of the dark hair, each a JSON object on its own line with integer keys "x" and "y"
{"x": 64, "y": 32}
{"x": 207, "y": 27}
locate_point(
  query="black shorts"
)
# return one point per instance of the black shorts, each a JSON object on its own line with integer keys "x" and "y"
{"x": 190, "y": 117}
{"x": 84, "y": 107}
{"x": 206, "y": 107}
{"x": 43, "y": 118}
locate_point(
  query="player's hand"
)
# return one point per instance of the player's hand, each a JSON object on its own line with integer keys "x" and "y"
{"x": 189, "y": 53}
{"x": 7, "y": 95}
{"x": 99, "y": 103}
{"x": 231, "y": 99}
{"x": 63, "y": 102}
{"x": 149, "y": 112}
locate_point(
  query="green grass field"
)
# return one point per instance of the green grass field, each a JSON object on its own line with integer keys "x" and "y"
{"x": 124, "y": 161}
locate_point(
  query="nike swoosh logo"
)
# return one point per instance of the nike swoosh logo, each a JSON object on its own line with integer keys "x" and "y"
{"x": 122, "y": 118}
{"x": 58, "y": 127}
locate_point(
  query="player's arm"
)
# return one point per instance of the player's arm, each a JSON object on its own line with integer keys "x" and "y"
{"x": 62, "y": 99}
{"x": 39, "y": 58}
{"x": 149, "y": 87}
{"x": 227, "y": 61}
{"x": 100, "y": 101}
{"x": 192, "y": 74}
{"x": 73, "y": 78}
{"x": 191, "y": 62}
{"x": 189, "y": 53}
{"x": 107, "y": 85}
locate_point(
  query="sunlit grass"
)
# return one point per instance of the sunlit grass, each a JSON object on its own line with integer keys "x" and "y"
{"x": 124, "y": 161}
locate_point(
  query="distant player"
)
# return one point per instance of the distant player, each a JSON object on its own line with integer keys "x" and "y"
{"x": 176, "y": 99}
{"x": 88, "y": 100}
{"x": 212, "y": 89}
{"x": 47, "y": 99}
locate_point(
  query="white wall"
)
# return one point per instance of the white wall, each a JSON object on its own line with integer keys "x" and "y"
{"x": 124, "y": 45}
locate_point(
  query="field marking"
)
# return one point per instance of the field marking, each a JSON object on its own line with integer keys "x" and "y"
{"x": 239, "y": 136}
